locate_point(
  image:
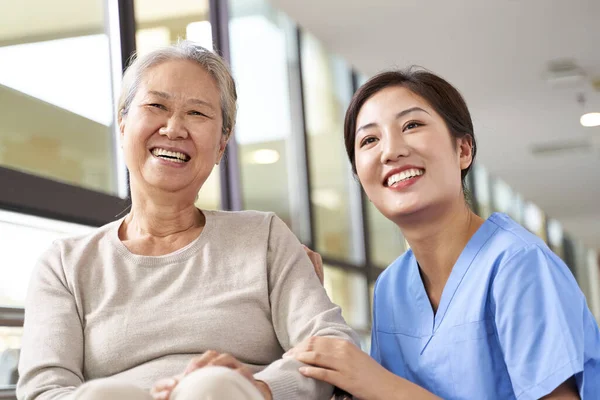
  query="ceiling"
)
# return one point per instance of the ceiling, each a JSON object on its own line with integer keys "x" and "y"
{"x": 497, "y": 54}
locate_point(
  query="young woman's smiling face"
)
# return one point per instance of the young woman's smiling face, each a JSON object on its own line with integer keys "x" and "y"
{"x": 405, "y": 157}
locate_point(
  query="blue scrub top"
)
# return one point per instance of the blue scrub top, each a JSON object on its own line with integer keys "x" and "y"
{"x": 511, "y": 323}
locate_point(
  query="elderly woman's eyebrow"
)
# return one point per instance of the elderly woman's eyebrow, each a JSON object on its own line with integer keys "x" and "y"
{"x": 167, "y": 96}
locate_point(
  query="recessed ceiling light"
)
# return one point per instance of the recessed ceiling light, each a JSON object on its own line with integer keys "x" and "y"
{"x": 265, "y": 156}
{"x": 590, "y": 119}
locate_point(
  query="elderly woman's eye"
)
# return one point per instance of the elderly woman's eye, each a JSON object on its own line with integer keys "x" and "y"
{"x": 157, "y": 105}
{"x": 197, "y": 113}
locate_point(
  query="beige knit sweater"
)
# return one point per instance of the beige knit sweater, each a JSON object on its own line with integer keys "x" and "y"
{"x": 244, "y": 286}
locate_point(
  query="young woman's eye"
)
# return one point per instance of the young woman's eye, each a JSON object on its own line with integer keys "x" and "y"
{"x": 367, "y": 140}
{"x": 412, "y": 125}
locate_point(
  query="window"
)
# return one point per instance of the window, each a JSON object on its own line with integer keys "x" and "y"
{"x": 24, "y": 240}
{"x": 349, "y": 290}
{"x": 57, "y": 121}
{"x": 482, "y": 191}
{"x": 10, "y": 347}
{"x": 386, "y": 241}
{"x": 555, "y": 238}
{"x": 534, "y": 219}
{"x": 334, "y": 193}
{"x": 162, "y": 23}
{"x": 269, "y": 125}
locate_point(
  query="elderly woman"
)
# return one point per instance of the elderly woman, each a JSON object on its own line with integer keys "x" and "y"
{"x": 171, "y": 289}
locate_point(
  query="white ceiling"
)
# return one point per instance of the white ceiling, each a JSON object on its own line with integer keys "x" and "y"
{"x": 496, "y": 53}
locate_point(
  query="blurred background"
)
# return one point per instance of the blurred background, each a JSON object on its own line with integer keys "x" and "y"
{"x": 530, "y": 72}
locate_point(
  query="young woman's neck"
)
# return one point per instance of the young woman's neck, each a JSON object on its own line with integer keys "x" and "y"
{"x": 160, "y": 214}
{"x": 438, "y": 238}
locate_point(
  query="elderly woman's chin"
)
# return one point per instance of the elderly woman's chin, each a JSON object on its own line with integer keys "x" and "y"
{"x": 174, "y": 181}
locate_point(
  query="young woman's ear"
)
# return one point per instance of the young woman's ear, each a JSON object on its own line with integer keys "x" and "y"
{"x": 465, "y": 147}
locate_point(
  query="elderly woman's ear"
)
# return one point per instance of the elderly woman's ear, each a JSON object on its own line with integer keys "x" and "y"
{"x": 223, "y": 147}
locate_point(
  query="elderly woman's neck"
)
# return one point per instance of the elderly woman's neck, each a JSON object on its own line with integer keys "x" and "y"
{"x": 156, "y": 219}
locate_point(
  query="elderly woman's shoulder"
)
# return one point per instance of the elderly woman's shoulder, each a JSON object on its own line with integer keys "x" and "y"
{"x": 236, "y": 217}
{"x": 247, "y": 221}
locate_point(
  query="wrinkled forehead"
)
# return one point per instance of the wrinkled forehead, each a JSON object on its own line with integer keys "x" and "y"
{"x": 180, "y": 79}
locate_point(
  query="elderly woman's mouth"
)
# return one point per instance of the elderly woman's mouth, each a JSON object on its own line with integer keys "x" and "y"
{"x": 175, "y": 156}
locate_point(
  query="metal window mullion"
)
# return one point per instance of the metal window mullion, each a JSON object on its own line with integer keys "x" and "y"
{"x": 231, "y": 185}
{"x": 307, "y": 169}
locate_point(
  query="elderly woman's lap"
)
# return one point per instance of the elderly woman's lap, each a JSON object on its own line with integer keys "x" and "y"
{"x": 211, "y": 383}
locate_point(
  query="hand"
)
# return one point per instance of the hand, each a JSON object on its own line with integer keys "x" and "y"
{"x": 342, "y": 364}
{"x": 317, "y": 262}
{"x": 163, "y": 388}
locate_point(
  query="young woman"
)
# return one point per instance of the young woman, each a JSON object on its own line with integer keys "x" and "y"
{"x": 476, "y": 309}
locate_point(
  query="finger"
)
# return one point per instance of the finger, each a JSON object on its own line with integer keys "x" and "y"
{"x": 164, "y": 384}
{"x": 300, "y": 347}
{"x": 317, "y": 359}
{"x": 325, "y": 375}
{"x": 200, "y": 362}
{"x": 164, "y": 395}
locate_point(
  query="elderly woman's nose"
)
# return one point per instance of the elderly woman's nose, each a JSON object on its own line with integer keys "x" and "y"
{"x": 174, "y": 128}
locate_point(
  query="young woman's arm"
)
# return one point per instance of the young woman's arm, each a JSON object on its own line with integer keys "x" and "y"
{"x": 540, "y": 318}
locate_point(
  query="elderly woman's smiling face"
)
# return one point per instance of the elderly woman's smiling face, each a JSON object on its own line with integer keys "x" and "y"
{"x": 172, "y": 133}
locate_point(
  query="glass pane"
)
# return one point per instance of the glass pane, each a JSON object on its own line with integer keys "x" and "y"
{"x": 162, "y": 23}
{"x": 482, "y": 190}
{"x": 349, "y": 291}
{"x": 10, "y": 347}
{"x": 24, "y": 239}
{"x": 386, "y": 241}
{"x": 265, "y": 67}
{"x": 327, "y": 91}
{"x": 57, "y": 119}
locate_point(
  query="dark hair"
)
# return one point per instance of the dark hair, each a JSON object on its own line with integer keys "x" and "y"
{"x": 441, "y": 96}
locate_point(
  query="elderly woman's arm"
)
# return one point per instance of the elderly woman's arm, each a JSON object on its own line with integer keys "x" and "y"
{"x": 300, "y": 309}
{"x": 50, "y": 365}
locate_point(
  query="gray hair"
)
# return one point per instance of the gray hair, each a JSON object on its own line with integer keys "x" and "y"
{"x": 184, "y": 50}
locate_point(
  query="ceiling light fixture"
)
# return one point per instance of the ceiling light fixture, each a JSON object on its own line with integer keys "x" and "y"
{"x": 589, "y": 118}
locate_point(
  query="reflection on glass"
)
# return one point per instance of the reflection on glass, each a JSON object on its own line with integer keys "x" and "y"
{"x": 535, "y": 220}
{"x": 349, "y": 290}
{"x": 162, "y": 23}
{"x": 10, "y": 347}
{"x": 265, "y": 68}
{"x": 327, "y": 91}
{"x": 386, "y": 241}
{"x": 24, "y": 239}
{"x": 57, "y": 119}
{"x": 482, "y": 191}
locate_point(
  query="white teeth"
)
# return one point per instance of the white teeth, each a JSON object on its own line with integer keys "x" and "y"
{"x": 171, "y": 155}
{"x": 406, "y": 174}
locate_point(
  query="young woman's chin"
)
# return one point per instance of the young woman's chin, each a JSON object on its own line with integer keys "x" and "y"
{"x": 402, "y": 208}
